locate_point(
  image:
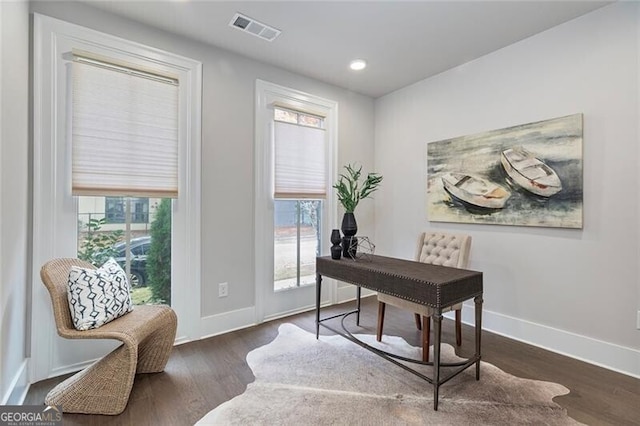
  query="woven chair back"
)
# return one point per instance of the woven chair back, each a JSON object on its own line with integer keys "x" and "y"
{"x": 55, "y": 276}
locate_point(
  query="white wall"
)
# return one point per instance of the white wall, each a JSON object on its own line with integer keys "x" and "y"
{"x": 14, "y": 212}
{"x": 574, "y": 291}
{"x": 227, "y": 152}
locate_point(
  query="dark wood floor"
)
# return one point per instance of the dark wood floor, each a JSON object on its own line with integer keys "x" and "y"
{"x": 201, "y": 375}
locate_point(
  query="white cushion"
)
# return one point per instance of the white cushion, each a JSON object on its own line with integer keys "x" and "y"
{"x": 97, "y": 296}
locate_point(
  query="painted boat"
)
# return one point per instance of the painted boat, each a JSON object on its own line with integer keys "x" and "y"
{"x": 530, "y": 172}
{"x": 475, "y": 191}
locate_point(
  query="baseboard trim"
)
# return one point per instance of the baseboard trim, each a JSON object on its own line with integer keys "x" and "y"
{"x": 72, "y": 368}
{"x": 19, "y": 386}
{"x": 214, "y": 325}
{"x": 597, "y": 352}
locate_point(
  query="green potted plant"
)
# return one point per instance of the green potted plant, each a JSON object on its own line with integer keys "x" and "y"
{"x": 350, "y": 192}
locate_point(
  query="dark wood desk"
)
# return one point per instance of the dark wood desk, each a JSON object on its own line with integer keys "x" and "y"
{"x": 435, "y": 286}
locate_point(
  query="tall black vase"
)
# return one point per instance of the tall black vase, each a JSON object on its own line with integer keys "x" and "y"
{"x": 349, "y": 229}
{"x": 349, "y": 225}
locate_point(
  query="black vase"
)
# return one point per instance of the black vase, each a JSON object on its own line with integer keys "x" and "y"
{"x": 349, "y": 247}
{"x": 349, "y": 226}
{"x": 336, "y": 249}
{"x": 335, "y": 237}
{"x": 349, "y": 229}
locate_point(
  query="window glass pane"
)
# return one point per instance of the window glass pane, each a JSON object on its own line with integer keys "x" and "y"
{"x": 298, "y": 118}
{"x": 286, "y": 116}
{"x": 285, "y": 271}
{"x": 309, "y": 120}
{"x": 310, "y": 212}
{"x": 142, "y": 247}
{"x": 296, "y": 242}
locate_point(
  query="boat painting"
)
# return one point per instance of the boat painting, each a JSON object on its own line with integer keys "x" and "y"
{"x": 529, "y": 172}
{"x": 475, "y": 191}
{"x": 538, "y": 164}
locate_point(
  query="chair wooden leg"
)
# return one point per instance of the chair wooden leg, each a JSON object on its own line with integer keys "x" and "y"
{"x": 381, "y": 307}
{"x": 426, "y": 331}
{"x": 458, "y": 327}
{"x": 418, "y": 321}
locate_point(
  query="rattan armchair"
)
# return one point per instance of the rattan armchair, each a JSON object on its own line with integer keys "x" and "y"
{"x": 439, "y": 249}
{"x": 147, "y": 334}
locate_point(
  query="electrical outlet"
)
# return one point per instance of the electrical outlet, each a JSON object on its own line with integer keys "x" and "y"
{"x": 223, "y": 289}
{"x": 638, "y": 321}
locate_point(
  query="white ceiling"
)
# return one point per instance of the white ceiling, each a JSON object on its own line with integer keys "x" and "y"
{"x": 402, "y": 41}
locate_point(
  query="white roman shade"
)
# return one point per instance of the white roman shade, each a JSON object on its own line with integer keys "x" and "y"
{"x": 299, "y": 161}
{"x": 124, "y": 133}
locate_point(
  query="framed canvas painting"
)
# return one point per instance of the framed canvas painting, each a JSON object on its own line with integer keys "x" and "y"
{"x": 527, "y": 175}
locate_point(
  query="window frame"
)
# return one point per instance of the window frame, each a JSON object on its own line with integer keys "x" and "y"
{"x": 55, "y": 210}
{"x": 270, "y": 96}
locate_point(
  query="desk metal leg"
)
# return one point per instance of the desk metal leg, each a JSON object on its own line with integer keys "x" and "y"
{"x": 437, "y": 326}
{"x": 358, "y": 294}
{"x": 478, "y": 309}
{"x": 318, "y": 291}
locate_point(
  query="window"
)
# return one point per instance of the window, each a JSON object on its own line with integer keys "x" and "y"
{"x": 128, "y": 119}
{"x": 115, "y": 208}
{"x": 296, "y": 135}
{"x": 56, "y": 210}
{"x": 300, "y": 188}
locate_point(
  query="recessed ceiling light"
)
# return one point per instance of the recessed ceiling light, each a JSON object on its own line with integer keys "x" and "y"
{"x": 358, "y": 64}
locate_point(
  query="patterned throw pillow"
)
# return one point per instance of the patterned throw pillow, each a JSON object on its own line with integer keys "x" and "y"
{"x": 97, "y": 296}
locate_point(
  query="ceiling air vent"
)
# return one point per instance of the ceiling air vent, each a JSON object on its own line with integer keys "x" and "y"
{"x": 253, "y": 27}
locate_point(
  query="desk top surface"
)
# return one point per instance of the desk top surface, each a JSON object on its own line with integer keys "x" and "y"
{"x": 431, "y": 285}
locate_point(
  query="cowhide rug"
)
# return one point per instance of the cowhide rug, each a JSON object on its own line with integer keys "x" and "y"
{"x": 333, "y": 381}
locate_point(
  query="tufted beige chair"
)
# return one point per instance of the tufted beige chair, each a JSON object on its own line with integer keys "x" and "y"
{"x": 436, "y": 248}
